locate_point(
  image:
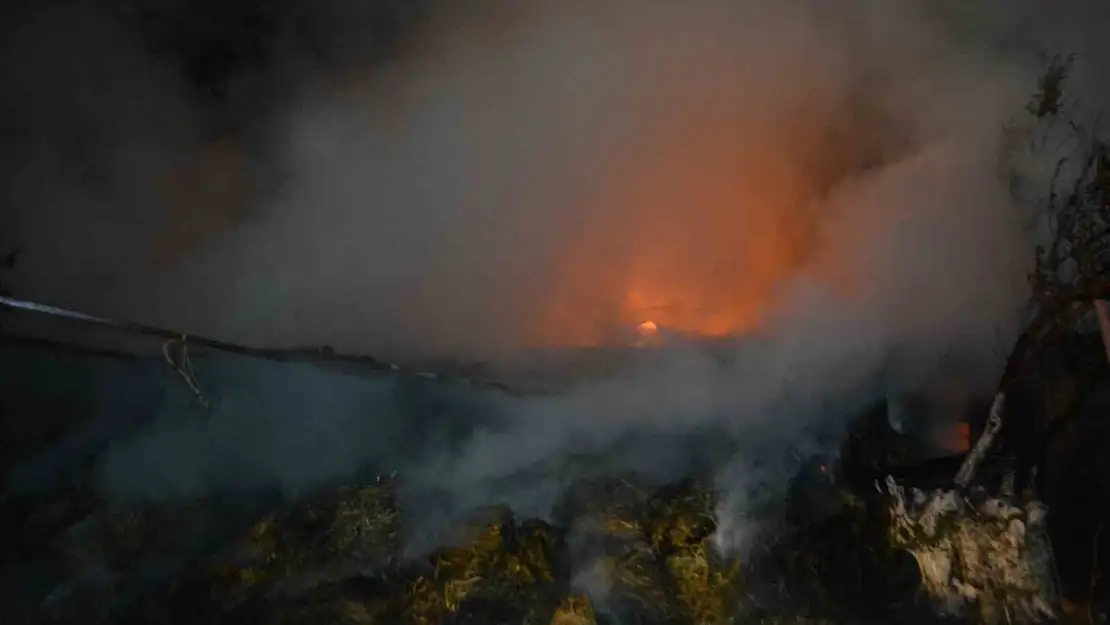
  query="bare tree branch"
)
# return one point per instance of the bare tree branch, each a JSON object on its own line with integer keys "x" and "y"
{"x": 973, "y": 459}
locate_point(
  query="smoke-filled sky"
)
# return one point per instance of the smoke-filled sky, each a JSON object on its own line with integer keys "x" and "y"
{"x": 466, "y": 179}
{"x": 470, "y": 179}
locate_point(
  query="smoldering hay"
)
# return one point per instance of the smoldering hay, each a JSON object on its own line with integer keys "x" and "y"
{"x": 830, "y": 183}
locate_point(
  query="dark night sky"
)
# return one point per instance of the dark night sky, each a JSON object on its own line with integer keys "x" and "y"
{"x": 130, "y": 131}
{"x": 215, "y": 46}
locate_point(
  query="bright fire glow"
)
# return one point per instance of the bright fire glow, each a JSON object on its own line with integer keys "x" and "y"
{"x": 699, "y": 222}
{"x": 693, "y": 245}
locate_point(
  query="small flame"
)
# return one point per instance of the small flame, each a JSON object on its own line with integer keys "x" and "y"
{"x": 649, "y": 334}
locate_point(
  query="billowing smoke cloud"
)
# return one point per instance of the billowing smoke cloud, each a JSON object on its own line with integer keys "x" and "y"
{"x": 537, "y": 176}
{"x": 544, "y": 176}
{"x": 828, "y": 181}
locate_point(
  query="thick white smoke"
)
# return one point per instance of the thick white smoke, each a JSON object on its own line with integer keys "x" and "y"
{"x": 831, "y": 179}
{"x": 524, "y": 170}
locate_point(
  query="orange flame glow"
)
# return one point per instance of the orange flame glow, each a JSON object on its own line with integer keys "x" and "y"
{"x": 700, "y": 218}
{"x": 698, "y": 244}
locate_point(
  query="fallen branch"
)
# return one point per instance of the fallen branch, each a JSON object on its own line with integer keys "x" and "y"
{"x": 994, "y": 426}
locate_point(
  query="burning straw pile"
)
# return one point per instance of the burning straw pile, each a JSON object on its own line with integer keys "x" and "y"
{"x": 614, "y": 549}
{"x": 651, "y": 550}
{"x": 334, "y": 558}
{"x": 326, "y": 538}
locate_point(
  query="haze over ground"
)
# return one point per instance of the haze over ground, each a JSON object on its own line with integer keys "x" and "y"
{"x": 833, "y": 182}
